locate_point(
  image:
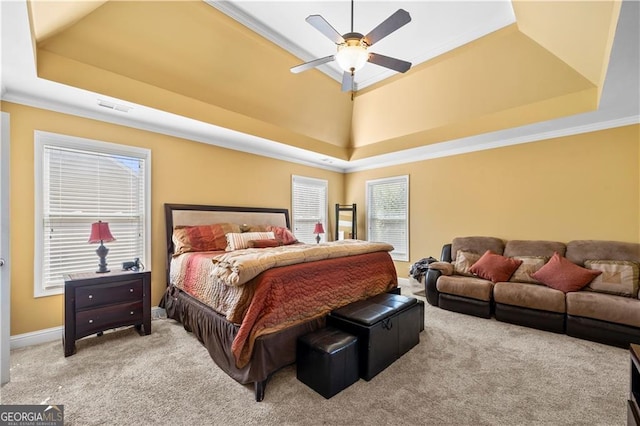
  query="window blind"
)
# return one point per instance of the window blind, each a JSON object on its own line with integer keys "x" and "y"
{"x": 82, "y": 187}
{"x": 309, "y": 201}
{"x": 388, "y": 214}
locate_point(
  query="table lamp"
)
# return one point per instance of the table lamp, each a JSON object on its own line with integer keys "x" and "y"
{"x": 318, "y": 230}
{"x": 100, "y": 233}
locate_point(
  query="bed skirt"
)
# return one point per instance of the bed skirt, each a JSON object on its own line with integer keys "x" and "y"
{"x": 270, "y": 353}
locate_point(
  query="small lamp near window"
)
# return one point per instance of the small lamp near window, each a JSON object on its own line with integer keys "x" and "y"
{"x": 318, "y": 230}
{"x": 100, "y": 233}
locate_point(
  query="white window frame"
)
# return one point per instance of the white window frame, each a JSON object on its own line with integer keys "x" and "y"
{"x": 323, "y": 205}
{"x": 395, "y": 254}
{"x": 42, "y": 139}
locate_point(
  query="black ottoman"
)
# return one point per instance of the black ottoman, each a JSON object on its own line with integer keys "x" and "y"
{"x": 327, "y": 360}
{"x": 387, "y": 326}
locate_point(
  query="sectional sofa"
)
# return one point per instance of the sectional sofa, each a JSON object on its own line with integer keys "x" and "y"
{"x": 584, "y": 288}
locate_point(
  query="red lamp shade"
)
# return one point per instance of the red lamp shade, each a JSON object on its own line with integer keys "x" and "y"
{"x": 318, "y": 229}
{"x": 100, "y": 232}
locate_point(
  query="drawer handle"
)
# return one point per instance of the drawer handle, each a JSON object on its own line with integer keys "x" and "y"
{"x": 91, "y": 296}
{"x": 131, "y": 313}
{"x": 130, "y": 290}
{"x": 90, "y": 321}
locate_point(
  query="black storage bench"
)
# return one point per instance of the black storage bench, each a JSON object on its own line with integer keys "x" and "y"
{"x": 387, "y": 326}
{"x": 327, "y": 360}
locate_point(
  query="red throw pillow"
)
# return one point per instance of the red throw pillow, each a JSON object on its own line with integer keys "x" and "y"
{"x": 264, "y": 243}
{"x": 283, "y": 234}
{"x": 563, "y": 275}
{"x": 202, "y": 238}
{"x": 495, "y": 267}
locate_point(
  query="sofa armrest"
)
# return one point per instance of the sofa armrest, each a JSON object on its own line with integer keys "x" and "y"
{"x": 445, "y": 268}
{"x": 430, "y": 290}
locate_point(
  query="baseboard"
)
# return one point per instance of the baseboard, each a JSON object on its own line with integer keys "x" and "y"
{"x": 158, "y": 313}
{"x": 55, "y": 333}
{"x": 36, "y": 337}
{"x": 403, "y": 282}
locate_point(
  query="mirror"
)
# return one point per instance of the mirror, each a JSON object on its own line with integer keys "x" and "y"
{"x": 346, "y": 222}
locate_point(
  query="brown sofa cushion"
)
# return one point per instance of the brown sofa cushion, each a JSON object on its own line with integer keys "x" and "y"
{"x": 605, "y": 307}
{"x": 530, "y": 296}
{"x": 546, "y": 249}
{"x": 580, "y": 250}
{"x": 476, "y": 245}
{"x": 563, "y": 275}
{"x": 495, "y": 267}
{"x": 474, "y": 288}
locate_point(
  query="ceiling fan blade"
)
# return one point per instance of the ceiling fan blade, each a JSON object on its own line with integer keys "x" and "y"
{"x": 320, "y": 24}
{"x": 347, "y": 82}
{"x": 400, "y": 18}
{"x": 311, "y": 64}
{"x": 388, "y": 62}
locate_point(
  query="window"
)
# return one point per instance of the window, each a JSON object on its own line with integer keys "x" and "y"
{"x": 388, "y": 214}
{"x": 78, "y": 182}
{"x": 309, "y": 201}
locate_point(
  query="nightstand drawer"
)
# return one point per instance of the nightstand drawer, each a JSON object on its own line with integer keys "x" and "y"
{"x": 103, "y": 294}
{"x": 112, "y": 316}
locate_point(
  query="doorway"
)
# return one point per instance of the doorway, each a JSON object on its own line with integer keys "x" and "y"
{"x": 5, "y": 264}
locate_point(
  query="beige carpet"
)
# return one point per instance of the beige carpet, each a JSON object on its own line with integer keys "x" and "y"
{"x": 465, "y": 371}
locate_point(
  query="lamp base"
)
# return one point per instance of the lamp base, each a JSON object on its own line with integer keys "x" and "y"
{"x": 102, "y": 251}
{"x": 317, "y": 238}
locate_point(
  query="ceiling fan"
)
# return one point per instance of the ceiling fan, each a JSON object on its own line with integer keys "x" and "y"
{"x": 352, "y": 51}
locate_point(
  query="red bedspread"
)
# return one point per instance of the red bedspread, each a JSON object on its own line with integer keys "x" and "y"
{"x": 292, "y": 294}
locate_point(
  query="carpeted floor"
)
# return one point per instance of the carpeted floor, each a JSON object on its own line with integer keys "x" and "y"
{"x": 465, "y": 371}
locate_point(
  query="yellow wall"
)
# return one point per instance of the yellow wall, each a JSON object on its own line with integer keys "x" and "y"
{"x": 576, "y": 187}
{"x": 182, "y": 172}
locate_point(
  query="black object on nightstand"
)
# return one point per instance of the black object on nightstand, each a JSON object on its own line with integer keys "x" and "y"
{"x": 94, "y": 303}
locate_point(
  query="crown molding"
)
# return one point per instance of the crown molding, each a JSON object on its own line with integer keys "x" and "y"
{"x": 484, "y": 142}
{"x": 212, "y": 135}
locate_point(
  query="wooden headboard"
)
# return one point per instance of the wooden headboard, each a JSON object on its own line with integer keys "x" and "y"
{"x": 195, "y": 214}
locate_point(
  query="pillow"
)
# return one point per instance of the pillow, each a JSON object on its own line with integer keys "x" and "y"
{"x": 283, "y": 234}
{"x": 563, "y": 275}
{"x": 495, "y": 267}
{"x": 253, "y": 228}
{"x": 618, "y": 277}
{"x": 264, "y": 243}
{"x": 530, "y": 264}
{"x": 201, "y": 238}
{"x": 464, "y": 261}
{"x": 237, "y": 241}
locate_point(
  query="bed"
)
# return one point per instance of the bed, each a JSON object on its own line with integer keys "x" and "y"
{"x": 248, "y": 306}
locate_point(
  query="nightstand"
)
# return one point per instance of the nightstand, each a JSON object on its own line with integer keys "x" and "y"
{"x": 96, "y": 302}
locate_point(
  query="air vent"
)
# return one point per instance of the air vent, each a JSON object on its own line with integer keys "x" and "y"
{"x": 113, "y": 106}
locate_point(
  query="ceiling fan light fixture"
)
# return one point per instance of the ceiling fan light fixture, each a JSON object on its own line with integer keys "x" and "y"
{"x": 352, "y": 55}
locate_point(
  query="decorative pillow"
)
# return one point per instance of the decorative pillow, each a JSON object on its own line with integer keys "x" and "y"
{"x": 464, "y": 261}
{"x": 237, "y": 241}
{"x": 495, "y": 267}
{"x": 201, "y": 238}
{"x": 264, "y": 243}
{"x": 563, "y": 275}
{"x": 530, "y": 264}
{"x": 283, "y": 234}
{"x": 618, "y": 277}
{"x": 253, "y": 228}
